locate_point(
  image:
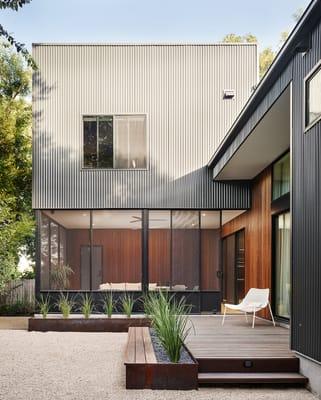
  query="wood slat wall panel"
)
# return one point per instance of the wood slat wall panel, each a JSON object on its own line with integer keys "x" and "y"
{"x": 159, "y": 256}
{"x": 257, "y": 223}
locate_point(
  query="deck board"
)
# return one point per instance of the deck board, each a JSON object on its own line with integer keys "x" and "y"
{"x": 236, "y": 339}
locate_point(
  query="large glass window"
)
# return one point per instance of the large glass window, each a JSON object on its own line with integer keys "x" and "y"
{"x": 159, "y": 249}
{"x": 102, "y": 250}
{"x": 185, "y": 250}
{"x": 117, "y": 141}
{"x": 313, "y": 98}
{"x": 65, "y": 244}
{"x": 282, "y": 266}
{"x": 281, "y": 177}
{"x": 210, "y": 250}
{"x": 117, "y": 250}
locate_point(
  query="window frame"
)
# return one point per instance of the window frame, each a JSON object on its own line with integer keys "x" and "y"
{"x": 273, "y": 176}
{"x": 314, "y": 71}
{"x": 112, "y": 115}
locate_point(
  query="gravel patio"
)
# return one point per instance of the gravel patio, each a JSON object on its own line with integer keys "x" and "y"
{"x": 88, "y": 366}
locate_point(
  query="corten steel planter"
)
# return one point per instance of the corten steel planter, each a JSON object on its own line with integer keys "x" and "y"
{"x": 166, "y": 376}
{"x": 74, "y": 324}
{"x": 146, "y": 374}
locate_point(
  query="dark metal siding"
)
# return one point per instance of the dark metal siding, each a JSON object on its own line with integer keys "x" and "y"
{"x": 179, "y": 87}
{"x": 306, "y": 214}
{"x": 306, "y": 199}
{"x": 279, "y": 86}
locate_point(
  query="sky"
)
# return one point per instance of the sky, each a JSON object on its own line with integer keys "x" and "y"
{"x": 150, "y": 21}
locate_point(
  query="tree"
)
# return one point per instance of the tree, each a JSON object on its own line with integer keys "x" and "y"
{"x": 233, "y": 38}
{"x": 266, "y": 58}
{"x": 267, "y": 55}
{"x": 20, "y": 47}
{"x": 17, "y": 224}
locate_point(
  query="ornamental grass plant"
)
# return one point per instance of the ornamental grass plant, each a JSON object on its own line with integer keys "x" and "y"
{"x": 169, "y": 318}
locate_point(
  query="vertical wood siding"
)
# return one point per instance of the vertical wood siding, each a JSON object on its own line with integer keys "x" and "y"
{"x": 179, "y": 87}
{"x": 257, "y": 223}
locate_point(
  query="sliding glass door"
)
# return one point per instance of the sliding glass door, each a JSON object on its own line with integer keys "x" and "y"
{"x": 282, "y": 266}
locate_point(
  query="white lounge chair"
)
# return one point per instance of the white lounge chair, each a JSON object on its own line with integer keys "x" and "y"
{"x": 254, "y": 301}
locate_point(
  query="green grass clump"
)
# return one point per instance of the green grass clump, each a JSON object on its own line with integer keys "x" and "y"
{"x": 86, "y": 306}
{"x": 44, "y": 306}
{"x": 127, "y": 303}
{"x": 65, "y": 305}
{"x": 169, "y": 318}
{"x": 109, "y": 304}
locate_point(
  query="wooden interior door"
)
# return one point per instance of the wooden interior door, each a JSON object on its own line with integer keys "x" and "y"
{"x": 229, "y": 269}
{"x": 234, "y": 267}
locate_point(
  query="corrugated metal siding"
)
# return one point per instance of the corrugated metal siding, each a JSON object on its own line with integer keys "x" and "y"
{"x": 306, "y": 201}
{"x": 306, "y": 214}
{"x": 180, "y": 89}
{"x": 279, "y": 86}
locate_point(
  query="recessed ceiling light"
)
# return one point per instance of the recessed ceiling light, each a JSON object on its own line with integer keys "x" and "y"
{"x": 84, "y": 215}
{"x": 203, "y": 215}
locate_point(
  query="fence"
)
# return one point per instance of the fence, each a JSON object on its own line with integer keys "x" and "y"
{"x": 20, "y": 290}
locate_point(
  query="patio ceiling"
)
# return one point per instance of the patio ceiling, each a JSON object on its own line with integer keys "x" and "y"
{"x": 268, "y": 140}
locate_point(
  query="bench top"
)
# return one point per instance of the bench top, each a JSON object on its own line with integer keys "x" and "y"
{"x": 139, "y": 349}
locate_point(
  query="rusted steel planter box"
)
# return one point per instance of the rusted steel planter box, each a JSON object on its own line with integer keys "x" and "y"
{"x": 162, "y": 376}
{"x": 113, "y": 324}
{"x": 151, "y": 374}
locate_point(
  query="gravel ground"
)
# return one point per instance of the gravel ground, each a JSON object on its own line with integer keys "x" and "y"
{"x": 54, "y": 365}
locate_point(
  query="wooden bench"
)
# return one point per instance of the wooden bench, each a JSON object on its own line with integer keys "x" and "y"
{"x": 143, "y": 371}
{"x": 139, "y": 347}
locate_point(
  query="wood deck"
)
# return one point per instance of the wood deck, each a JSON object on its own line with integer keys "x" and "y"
{"x": 236, "y": 339}
{"x": 236, "y": 353}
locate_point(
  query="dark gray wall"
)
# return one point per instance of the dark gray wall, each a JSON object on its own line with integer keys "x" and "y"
{"x": 306, "y": 198}
{"x": 179, "y": 87}
{"x": 306, "y": 214}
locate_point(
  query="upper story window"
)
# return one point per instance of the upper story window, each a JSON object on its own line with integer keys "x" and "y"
{"x": 313, "y": 98}
{"x": 281, "y": 177}
{"x": 117, "y": 141}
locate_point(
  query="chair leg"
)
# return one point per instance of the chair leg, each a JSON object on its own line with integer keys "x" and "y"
{"x": 246, "y": 317}
{"x": 253, "y": 321}
{"x": 271, "y": 313}
{"x": 224, "y": 315}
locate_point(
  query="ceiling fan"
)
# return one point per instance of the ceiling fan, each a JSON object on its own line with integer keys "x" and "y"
{"x": 139, "y": 219}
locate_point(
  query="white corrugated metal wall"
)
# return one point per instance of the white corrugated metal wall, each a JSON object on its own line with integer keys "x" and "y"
{"x": 179, "y": 87}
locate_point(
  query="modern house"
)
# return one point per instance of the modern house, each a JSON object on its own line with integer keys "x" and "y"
{"x": 160, "y": 166}
{"x": 122, "y": 137}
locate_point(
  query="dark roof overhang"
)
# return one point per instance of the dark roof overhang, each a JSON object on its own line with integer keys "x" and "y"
{"x": 298, "y": 41}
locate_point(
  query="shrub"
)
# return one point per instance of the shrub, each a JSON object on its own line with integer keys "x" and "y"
{"x": 17, "y": 308}
{"x": 65, "y": 305}
{"x": 108, "y": 304}
{"x": 127, "y": 302}
{"x": 87, "y": 306}
{"x": 169, "y": 318}
{"x": 44, "y": 305}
